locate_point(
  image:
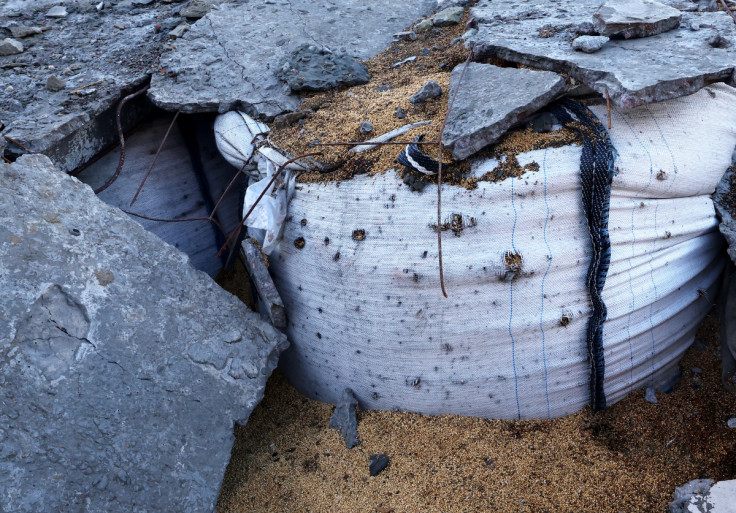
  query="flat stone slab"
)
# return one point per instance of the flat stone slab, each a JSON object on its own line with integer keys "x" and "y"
{"x": 490, "y": 100}
{"x": 122, "y": 369}
{"x": 227, "y": 59}
{"x": 633, "y": 71}
{"x": 635, "y": 18}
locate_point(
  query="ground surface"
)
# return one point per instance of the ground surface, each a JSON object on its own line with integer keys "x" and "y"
{"x": 629, "y": 458}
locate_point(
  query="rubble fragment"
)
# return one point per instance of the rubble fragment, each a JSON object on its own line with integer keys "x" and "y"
{"x": 492, "y": 99}
{"x": 635, "y": 18}
{"x": 123, "y": 368}
{"x": 449, "y": 16}
{"x": 589, "y": 44}
{"x": 428, "y": 91}
{"x": 632, "y": 71}
{"x": 345, "y": 418}
{"x": 315, "y": 68}
{"x": 10, "y": 46}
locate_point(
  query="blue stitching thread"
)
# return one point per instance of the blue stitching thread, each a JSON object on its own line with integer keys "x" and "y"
{"x": 511, "y": 312}
{"x": 549, "y": 265}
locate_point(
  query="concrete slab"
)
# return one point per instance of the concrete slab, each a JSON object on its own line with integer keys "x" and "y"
{"x": 633, "y": 71}
{"x": 227, "y": 59}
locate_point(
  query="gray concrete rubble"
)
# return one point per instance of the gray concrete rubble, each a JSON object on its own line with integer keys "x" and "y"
{"x": 633, "y": 71}
{"x": 227, "y": 59}
{"x": 102, "y": 55}
{"x": 635, "y": 18}
{"x": 316, "y": 68}
{"x": 724, "y": 201}
{"x": 345, "y": 418}
{"x": 589, "y": 44}
{"x": 490, "y": 100}
{"x": 702, "y": 496}
{"x": 728, "y": 223}
{"x": 122, "y": 369}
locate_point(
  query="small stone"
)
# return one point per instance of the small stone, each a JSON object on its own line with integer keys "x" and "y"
{"x": 585, "y": 29}
{"x": 650, "y": 395}
{"x": 430, "y": 90}
{"x": 54, "y": 83}
{"x": 58, "y": 11}
{"x": 378, "y": 462}
{"x": 425, "y": 51}
{"x": 408, "y": 35}
{"x": 345, "y": 418}
{"x": 400, "y": 113}
{"x": 288, "y": 119}
{"x": 21, "y": 32}
{"x": 589, "y": 44}
{"x": 312, "y": 68}
{"x": 423, "y": 25}
{"x": 9, "y": 46}
{"x": 697, "y": 370}
{"x": 196, "y": 9}
{"x": 180, "y": 29}
{"x": 636, "y": 18}
{"x": 449, "y": 16}
{"x": 366, "y": 127}
{"x": 543, "y": 123}
{"x": 731, "y": 423}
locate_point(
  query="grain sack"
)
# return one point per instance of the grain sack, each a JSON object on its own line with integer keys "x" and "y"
{"x": 358, "y": 273}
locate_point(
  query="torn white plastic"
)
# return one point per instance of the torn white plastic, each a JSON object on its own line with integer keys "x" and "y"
{"x": 235, "y": 135}
{"x": 270, "y": 212}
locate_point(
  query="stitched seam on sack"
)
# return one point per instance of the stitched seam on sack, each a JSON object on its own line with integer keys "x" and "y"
{"x": 511, "y": 307}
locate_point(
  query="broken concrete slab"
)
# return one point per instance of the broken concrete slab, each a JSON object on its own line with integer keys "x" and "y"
{"x": 633, "y": 71}
{"x": 316, "y": 68}
{"x": 122, "y": 369}
{"x": 724, "y": 199}
{"x": 227, "y": 59}
{"x": 702, "y": 496}
{"x": 100, "y": 65}
{"x": 490, "y": 100}
{"x": 635, "y": 18}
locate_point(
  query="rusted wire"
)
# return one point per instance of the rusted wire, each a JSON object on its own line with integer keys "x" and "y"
{"x": 155, "y": 158}
{"x": 219, "y": 226}
{"x": 114, "y": 177}
{"x": 728, "y": 10}
{"x": 17, "y": 143}
{"x": 263, "y": 193}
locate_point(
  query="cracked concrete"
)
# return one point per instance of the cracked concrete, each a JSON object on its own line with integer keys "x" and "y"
{"x": 250, "y": 39}
{"x": 102, "y": 406}
{"x": 633, "y": 72}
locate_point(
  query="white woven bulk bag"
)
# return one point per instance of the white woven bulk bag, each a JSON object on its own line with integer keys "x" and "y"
{"x": 359, "y": 278}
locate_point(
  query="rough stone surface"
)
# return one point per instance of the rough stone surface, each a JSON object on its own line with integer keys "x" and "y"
{"x": 428, "y": 91}
{"x": 702, "y": 496}
{"x": 58, "y": 11}
{"x": 589, "y": 44}
{"x": 316, "y": 68}
{"x": 122, "y": 369}
{"x": 633, "y": 71}
{"x": 228, "y": 58}
{"x": 345, "y": 418}
{"x": 491, "y": 100}
{"x": 99, "y": 62}
{"x": 449, "y": 16}
{"x": 635, "y": 18}
{"x": 9, "y": 46}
